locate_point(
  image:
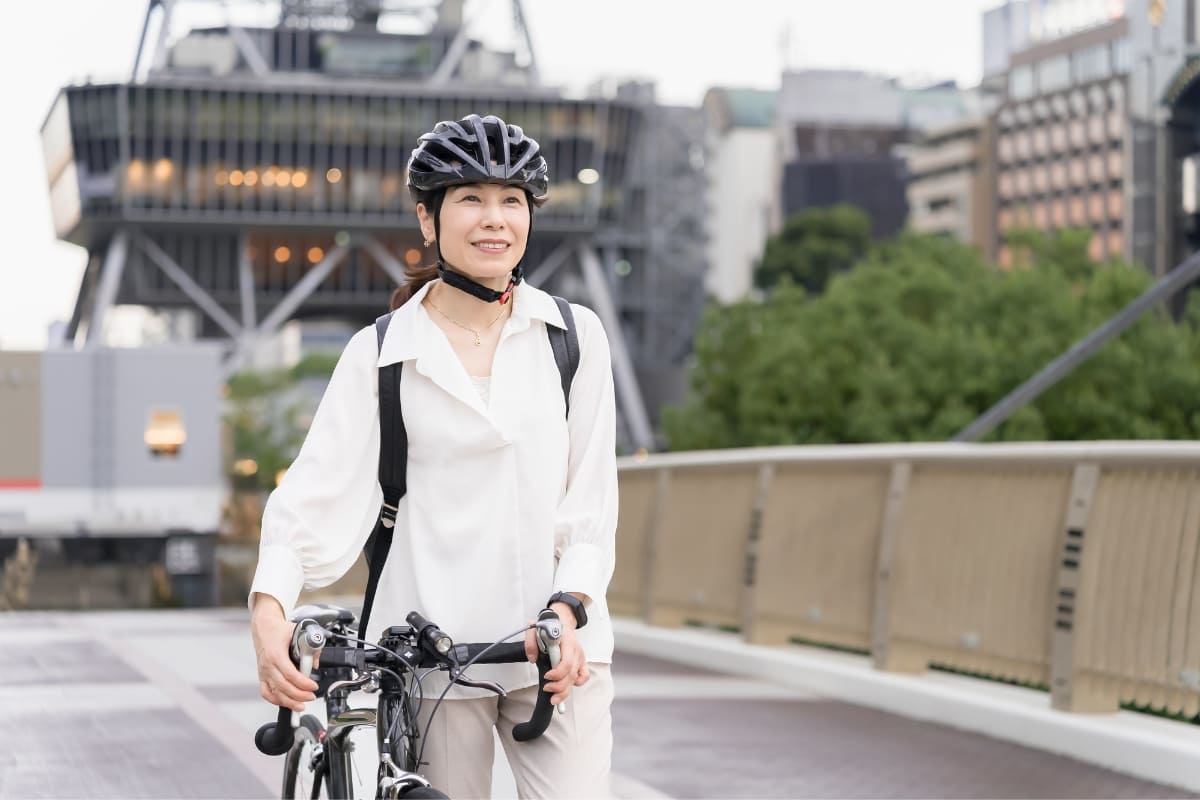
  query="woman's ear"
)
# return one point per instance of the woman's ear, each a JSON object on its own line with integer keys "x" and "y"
{"x": 425, "y": 219}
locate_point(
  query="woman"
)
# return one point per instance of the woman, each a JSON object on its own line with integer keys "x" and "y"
{"x": 509, "y": 502}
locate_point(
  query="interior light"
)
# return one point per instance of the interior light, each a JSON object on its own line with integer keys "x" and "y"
{"x": 333, "y": 175}
{"x": 588, "y": 176}
{"x": 283, "y": 178}
{"x": 315, "y": 254}
{"x": 165, "y": 433}
{"x": 412, "y": 256}
{"x": 299, "y": 179}
{"x": 282, "y": 254}
{"x": 251, "y": 177}
{"x": 236, "y": 177}
{"x": 245, "y": 466}
{"x": 221, "y": 178}
{"x": 163, "y": 169}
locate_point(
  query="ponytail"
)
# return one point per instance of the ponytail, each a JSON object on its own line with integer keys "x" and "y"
{"x": 417, "y": 277}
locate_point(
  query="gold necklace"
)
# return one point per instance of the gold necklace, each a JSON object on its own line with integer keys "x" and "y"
{"x": 474, "y": 332}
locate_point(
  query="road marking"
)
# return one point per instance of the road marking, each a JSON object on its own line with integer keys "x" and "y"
{"x": 205, "y": 713}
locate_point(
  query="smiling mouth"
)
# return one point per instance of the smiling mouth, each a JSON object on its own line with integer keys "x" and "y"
{"x": 491, "y": 247}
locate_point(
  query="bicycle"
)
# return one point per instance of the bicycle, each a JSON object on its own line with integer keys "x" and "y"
{"x": 318, "y": 760}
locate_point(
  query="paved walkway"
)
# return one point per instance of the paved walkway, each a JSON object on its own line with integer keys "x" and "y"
{"x": 164, "y": 704}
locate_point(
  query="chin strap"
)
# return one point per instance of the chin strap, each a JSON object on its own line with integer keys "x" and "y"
{"x": 484, "y": 293}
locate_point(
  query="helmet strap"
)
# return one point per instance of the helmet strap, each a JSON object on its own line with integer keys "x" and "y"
{"x": 488, "y": 295}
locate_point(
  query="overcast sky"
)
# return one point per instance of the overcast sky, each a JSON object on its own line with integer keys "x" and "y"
{"x": 685, "y": 46}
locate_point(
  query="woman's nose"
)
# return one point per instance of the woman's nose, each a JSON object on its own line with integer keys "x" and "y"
{"x": 493, "y": 215}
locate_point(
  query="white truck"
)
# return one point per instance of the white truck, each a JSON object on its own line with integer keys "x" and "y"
{"x": 112, "y": 456}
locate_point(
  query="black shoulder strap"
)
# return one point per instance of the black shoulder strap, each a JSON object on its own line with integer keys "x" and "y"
{"x": 393, "y": 463}
{"x": 565, "y": 344}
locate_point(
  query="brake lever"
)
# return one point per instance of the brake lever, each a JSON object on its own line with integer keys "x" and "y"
{"x": 549, "y": 636}
{"x": 491, "y": 686}
{"x": 308, "y": 639}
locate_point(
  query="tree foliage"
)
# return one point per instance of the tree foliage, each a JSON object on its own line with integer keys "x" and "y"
{"x": 922, "y": 336}
{"x": 813, "y": 246}
{"x": 267, "y": 417}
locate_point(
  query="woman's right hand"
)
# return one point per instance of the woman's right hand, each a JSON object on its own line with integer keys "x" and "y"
{"x": 279, "y": 681}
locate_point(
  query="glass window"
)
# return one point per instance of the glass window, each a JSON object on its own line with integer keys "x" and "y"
{"x": 1091, "y": 64}
{"x": 1054, "y": 73}
{"x": 1121, "y": 57}
{"x": 1020, "y": 83}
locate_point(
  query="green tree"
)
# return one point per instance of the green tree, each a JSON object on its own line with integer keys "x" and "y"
{"x": 267, "y": 416}
{"x": 922, "y": 336}
{"x": 814, "y": 245}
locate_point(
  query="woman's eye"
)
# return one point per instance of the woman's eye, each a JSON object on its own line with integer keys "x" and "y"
{"x": 516, "y": 201}
{"x": 467, "y": 197}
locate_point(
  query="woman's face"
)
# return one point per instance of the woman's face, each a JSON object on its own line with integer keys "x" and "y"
{"x": 485, "y": 228}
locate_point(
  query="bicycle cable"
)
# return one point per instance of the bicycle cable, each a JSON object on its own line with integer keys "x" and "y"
{"x": 461, "y": 671}
{"x": 406, "y": 700}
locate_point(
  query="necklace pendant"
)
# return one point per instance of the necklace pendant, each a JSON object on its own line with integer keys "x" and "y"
{"x": 477, "y": 340}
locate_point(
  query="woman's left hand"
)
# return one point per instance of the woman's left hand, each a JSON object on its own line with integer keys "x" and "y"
{"x": 572, "y": 669}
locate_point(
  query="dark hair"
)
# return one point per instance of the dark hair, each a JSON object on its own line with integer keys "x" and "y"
{"x": 419, "y": 274}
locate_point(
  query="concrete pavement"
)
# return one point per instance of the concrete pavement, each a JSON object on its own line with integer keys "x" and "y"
{"x": 164, "y": 704}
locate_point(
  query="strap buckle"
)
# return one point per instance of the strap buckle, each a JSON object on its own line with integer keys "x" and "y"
{"x": 387, "y": 515}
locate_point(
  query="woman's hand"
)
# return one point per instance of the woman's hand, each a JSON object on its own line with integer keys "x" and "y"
{"x": 572, "y": 669}
{"x": 279, "y": 682}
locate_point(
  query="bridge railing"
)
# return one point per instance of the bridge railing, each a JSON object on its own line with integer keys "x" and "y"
{"x": 1075, "y": 566}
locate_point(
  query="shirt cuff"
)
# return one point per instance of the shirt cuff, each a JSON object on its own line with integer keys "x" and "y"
{"x": 581, "y": 568}
{"x": 280, "y": 575}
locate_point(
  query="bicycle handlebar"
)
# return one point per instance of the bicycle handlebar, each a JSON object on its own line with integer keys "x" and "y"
{"x": 437, "y": 650}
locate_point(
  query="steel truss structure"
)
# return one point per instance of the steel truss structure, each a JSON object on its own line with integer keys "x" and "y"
{"x": 257, "y": 175}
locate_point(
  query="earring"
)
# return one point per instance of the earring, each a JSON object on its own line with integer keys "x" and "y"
{"x": 428, "y": 242}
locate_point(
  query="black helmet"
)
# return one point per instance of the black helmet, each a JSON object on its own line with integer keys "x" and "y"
{"x": 478, "y": 150}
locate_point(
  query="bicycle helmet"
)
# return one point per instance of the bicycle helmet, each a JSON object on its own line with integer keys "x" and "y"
{"x": 476, "y": 149}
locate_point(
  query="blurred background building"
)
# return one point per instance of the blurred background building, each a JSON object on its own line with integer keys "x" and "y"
{"x": 951, "y": 180}
{"x": 251, "y": 176}
{"x": 741, "y": 185}
{"x": 1087, "y": 115}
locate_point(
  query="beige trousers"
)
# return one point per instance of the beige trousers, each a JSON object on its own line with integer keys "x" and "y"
{"x": 571, "y": 759}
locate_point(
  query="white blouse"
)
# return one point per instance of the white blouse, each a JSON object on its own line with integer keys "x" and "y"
{"x": 508, "y": 501}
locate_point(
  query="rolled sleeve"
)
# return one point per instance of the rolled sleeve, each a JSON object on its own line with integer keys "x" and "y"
{"x": 586, "y": 522}
{"x": 279, "y": 574}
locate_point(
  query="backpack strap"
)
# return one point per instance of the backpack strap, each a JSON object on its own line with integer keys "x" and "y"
{"x": 393, "y": 478}
{"x": 565, "y": 344}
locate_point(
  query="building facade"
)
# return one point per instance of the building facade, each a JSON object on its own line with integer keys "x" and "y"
{"x": 950, "y": 183}
{"x": 740, "y": 168}
{"x": 1061, "y": 138}
{"x": 842, "y": 136}
{"x": 1099, "y": 123}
